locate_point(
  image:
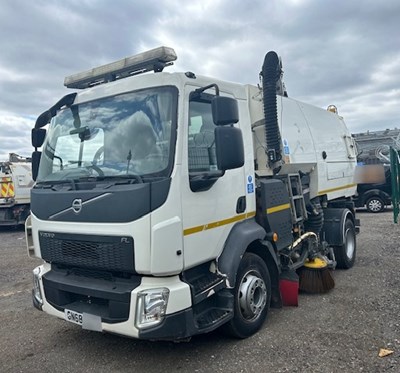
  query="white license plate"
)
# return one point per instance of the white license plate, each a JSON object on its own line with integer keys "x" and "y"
{"x": 72, "y": 316}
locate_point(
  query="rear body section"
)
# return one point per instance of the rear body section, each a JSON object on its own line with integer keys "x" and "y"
{"x": 315, "y": 142}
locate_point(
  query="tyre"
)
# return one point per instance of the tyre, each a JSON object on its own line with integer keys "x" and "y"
{"x": 252, "y": 297}
{"x": 375, "y": 204}
{"x": 345, "y": 254}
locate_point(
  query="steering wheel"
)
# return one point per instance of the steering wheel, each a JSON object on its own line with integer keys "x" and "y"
{"x": 137, "y": 177}
{"x": 97, "y": 156}
{"x": 133, "y": 174}
{"x": 96, "y": 168}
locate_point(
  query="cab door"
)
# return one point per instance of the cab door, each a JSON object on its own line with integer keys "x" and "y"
{"x": 212, "y": 200}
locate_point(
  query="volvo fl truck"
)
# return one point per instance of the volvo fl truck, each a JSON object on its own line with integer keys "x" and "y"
{"x": 171, "y": 204}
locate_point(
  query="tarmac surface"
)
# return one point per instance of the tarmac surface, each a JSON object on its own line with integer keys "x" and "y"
{"x": 341, "y": 331}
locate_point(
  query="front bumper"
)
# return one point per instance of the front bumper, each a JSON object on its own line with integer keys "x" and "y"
{"x": 115, "y": 302}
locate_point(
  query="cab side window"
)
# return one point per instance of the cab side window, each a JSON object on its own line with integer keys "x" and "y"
{"x": 201, "y": 141}
{"x": 203, "y": 166}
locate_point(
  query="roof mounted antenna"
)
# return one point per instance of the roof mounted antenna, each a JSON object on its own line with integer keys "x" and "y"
{"x": 152, "y": 60}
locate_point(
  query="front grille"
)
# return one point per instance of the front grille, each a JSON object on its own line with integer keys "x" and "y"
{"x": 112, "y": 253}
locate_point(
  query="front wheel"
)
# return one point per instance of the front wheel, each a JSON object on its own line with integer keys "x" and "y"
{"x": 252, "y": 297}
{"x": 345, "y": 254}
{"x": 375, "y": 204}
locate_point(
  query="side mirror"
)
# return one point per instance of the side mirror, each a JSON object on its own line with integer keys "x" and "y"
{"x": 224, "y": 110}
{"x": 229, "y": 148}
{"x": 37, "y": 137}
{"x": 35, "y": 164}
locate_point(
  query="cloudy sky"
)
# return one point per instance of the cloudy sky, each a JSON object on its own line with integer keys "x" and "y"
{"x": 339, "y": 52}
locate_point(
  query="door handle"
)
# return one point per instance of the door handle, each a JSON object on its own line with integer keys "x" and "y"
{"x": 241, "y": 205}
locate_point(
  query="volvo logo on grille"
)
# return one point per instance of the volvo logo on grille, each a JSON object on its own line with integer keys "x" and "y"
{"x": 77, "y": 205}
{"x": 47, "y": 235}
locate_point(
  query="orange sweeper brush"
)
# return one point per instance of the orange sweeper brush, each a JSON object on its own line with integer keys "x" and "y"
{"x": 315, "y": 276}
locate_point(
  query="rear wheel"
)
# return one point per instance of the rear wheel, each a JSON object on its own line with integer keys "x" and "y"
{"x": 252, "y": 297}
{"x": 345, "y": 254}
{"x": 375, "y": 204}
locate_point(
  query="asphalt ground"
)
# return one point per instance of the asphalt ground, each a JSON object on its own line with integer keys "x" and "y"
{"x": 341, "y": 331}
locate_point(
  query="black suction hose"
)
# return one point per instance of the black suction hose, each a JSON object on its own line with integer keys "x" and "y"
{"x": 271, "y": 72}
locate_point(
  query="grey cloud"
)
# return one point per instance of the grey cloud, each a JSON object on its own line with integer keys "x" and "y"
{"x": 333, "y": 52}
{"x": 46, "y": 41}
{"x": 14, "y": 145}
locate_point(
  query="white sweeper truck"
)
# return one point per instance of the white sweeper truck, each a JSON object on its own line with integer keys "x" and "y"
{"x": 171, "y": 204}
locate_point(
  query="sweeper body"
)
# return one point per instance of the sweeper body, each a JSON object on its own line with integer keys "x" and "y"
{"x": 169, "y": 204}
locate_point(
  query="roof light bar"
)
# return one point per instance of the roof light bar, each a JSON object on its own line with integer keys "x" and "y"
{"x": 152, "y": 60}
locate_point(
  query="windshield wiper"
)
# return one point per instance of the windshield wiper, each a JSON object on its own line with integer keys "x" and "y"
{"x": 122, "y": 179}
{"x": 50, "y": 184}
{"x": 111, "y": 179}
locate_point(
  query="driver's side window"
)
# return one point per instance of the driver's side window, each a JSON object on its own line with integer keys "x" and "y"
{"x": 201, "y": 140}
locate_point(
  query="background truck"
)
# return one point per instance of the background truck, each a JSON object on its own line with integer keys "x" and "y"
{"x": 169, "y": 205}
{"x": 16, "y": 182}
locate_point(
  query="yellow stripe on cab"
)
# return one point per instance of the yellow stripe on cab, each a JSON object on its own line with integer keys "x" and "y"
{"x": 219, "y": 223}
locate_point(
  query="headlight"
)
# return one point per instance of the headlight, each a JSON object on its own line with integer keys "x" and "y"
{"x": 151, "y": 307}
{"x": 36, "y": 286}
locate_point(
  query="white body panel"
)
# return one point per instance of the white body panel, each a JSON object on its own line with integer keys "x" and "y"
{"x": 22, "y": 177}
{"x": 166, "y": 255}
{"x": 308, "y": 133}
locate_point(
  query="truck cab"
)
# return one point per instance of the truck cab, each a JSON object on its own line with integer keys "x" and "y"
{"x": 125, "y": 192}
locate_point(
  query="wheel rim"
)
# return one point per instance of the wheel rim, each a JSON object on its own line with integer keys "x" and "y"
{"x": 350, "y": 243}
{"x": 252, "y": 295}
{"x": 375, "y": 205}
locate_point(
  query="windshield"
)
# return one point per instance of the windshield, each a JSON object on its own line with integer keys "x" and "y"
{"x": 128, "y": 135}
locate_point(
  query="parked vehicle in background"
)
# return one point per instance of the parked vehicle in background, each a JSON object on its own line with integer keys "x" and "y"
{"x": 16, "y": 183}
{"x": 373, "y": 151}
{"x": 374, "y": 190}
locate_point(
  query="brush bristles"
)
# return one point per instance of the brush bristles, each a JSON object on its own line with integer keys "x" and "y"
{"x": 316, "y": 281}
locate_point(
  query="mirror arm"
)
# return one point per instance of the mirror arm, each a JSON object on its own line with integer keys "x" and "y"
{"x": 202, "y": 89}
{"x": 46, "y": 116}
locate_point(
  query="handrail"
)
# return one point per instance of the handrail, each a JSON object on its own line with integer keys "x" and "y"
{"x": 395, "y": 176}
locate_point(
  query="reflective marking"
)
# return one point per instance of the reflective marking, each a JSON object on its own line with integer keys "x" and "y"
{"x": 218, "y": 223}
{"x": 7, "y": 187}
{"x": 271, "y": 210}
{"x": 336, "y": 189}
